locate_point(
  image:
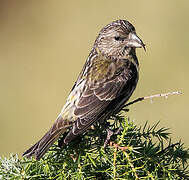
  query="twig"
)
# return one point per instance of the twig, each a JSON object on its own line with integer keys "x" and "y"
{"x": 131, "y": 164}
{"x": 115, "y": 157}
{"x": 153, "y": 96}
{"x": 118, "y": 147}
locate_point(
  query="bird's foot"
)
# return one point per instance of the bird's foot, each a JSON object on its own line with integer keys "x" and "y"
{"x": 110, "y": 133}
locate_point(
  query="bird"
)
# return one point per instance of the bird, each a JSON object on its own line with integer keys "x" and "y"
{"x": 106, "y": 82}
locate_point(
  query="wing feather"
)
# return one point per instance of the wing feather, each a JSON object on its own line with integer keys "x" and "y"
{"x": 100, "y": 95}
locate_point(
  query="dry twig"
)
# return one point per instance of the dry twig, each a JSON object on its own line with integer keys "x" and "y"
{"x": 153, "y": 96}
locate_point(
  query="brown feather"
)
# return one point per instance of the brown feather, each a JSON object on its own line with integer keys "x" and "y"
{"x": 41, "y": 147}
{"x": 105, "y": 83}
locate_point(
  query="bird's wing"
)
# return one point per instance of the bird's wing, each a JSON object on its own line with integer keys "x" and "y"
{"x": 106, "y": 85}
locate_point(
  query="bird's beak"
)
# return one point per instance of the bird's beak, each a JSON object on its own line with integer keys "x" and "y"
{"x": 135, "y": 41}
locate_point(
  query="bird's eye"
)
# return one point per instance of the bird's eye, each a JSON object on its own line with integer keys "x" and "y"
{"x": 118, "y": 38}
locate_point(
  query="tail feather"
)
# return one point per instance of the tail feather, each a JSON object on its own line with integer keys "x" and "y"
{"x": 42, "y": 146}
{"x": 31, "y": 150}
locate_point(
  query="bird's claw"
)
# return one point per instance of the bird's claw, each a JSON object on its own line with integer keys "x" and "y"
{"x": 110, "y": 133}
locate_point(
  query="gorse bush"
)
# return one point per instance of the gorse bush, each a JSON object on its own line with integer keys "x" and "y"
{"x": 135, "y": 153}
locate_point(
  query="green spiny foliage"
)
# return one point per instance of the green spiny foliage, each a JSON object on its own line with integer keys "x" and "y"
{"x": 136, "y": 153}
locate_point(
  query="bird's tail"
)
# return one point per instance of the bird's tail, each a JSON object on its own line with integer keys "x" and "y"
{"x": 42, "y": 146}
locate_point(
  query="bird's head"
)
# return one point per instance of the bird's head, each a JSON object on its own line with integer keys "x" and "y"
{"x": 117, "y": 39}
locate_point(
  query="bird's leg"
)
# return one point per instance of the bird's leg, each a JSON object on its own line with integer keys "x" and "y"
{"x": 110, "y": 133}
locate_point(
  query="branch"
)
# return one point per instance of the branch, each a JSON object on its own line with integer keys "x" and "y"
{"x": 153, "y": 96}
{"x": 118, "y": 147}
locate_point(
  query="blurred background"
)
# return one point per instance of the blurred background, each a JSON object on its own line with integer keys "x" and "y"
{"x": 44, "y": 44}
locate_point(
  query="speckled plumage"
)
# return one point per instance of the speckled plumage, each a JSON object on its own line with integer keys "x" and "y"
{"x": 105, "y": 83}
